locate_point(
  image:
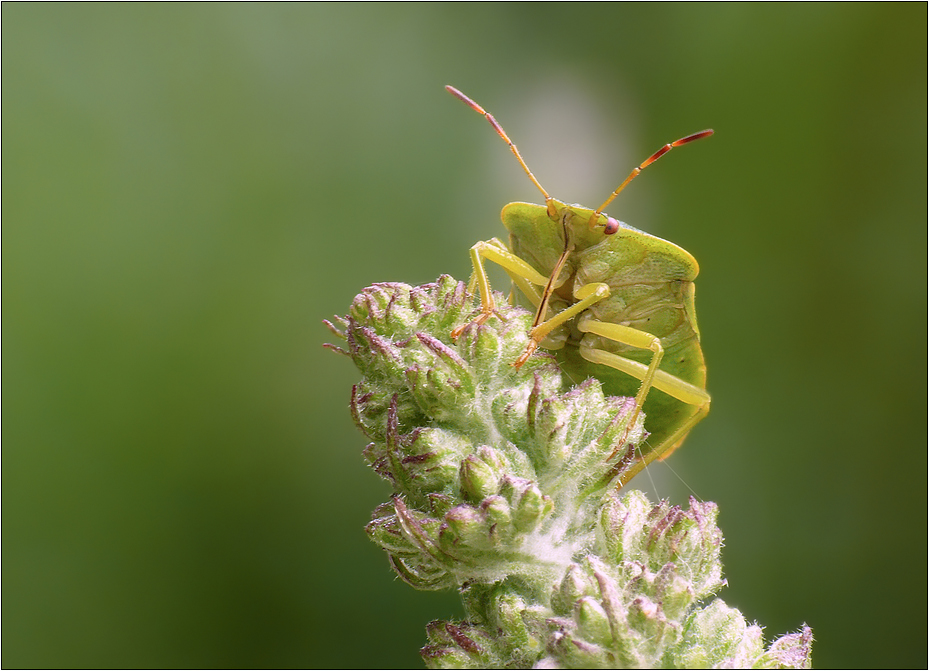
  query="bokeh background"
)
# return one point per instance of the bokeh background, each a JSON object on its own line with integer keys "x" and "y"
{"x": 189, "y": 189}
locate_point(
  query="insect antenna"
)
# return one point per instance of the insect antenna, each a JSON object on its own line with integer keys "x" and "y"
{"x": 497, "y": 127}
{"x": 556, "y": 272}
{"x": 644, "y": 164}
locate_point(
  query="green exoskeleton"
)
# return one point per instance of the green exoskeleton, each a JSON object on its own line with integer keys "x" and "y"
{"x": 614, "y": 303}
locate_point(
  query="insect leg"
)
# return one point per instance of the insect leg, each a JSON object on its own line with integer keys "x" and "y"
{"x": 650, "y": 376}
{"x": 586, "y": 295}
{"x": 634, "y": 338}
{"x": 494, "y": 250}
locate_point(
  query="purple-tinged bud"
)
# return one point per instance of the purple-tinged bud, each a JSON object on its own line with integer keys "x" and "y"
{"x": 478, "y": 479}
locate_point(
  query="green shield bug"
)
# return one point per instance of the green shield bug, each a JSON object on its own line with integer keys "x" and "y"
{"x": 614, "y": 303}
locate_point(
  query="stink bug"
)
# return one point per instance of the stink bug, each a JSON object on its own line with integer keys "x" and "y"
{"x": 614, "y": 302}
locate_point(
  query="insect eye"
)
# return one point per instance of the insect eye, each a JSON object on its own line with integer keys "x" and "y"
{"x": 611, "y": 226}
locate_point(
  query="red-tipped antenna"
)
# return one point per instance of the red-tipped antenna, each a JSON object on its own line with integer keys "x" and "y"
{"x": 644, "y": 164}
{"x": 497, "y": 127}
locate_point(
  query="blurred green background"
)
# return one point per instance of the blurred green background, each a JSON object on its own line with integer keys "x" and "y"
{"x": 189, "y": 189}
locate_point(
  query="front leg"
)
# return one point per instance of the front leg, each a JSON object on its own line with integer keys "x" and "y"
{"x": 522, "y": 273}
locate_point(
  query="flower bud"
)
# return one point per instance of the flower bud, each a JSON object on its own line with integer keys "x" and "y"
{"x": 478, "y": 479}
